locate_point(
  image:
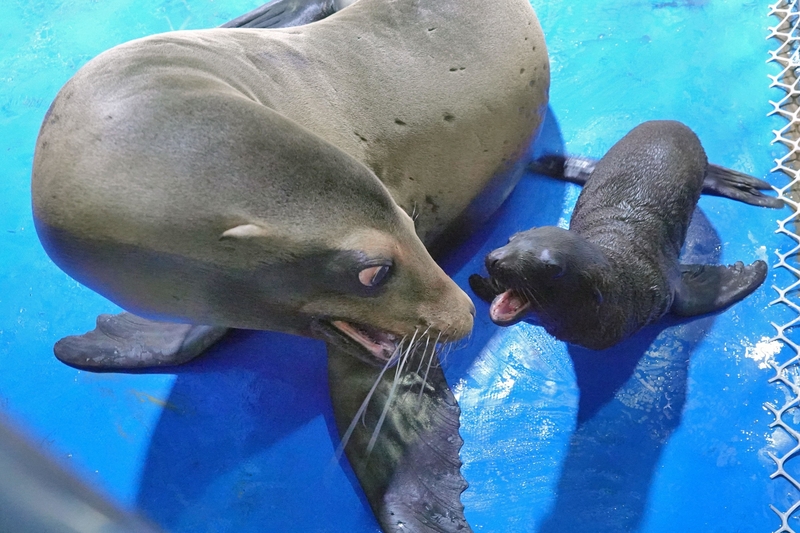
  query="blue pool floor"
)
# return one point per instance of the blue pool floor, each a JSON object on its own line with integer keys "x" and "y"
{"x": 665, "y": 433}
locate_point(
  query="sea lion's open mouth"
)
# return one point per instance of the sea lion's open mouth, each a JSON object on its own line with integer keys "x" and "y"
{"x": 382, "y": 345}
{"x": 508, "y": 308}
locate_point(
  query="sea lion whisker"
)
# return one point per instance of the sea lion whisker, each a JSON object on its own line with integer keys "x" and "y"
{"x": 430, "y": 361}
{"x": 421, "y": 338}
{"x": 396, "y": 356}
{"x": 445, "y": 354}
{"x": 424, "y": 350}
{"x": 363, "y": 408}
{"x": 462, "y": 343}
{"x": 447, "y": 349}
{"x": 528, "y": 292}
{"x": 411, "y": 345}
{"x": 398, "y": 373}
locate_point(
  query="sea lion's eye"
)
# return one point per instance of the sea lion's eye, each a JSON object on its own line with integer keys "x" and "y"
{"x": 373, "y": 276}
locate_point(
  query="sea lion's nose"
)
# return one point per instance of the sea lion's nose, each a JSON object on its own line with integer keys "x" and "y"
{"x": 494, "y": 258}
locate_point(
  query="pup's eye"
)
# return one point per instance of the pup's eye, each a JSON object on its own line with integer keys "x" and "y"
{"x": 373, "y": 276}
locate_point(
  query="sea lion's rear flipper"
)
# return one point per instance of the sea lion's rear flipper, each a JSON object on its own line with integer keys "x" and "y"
{"x": 707, "y": 288}
{"x": 719, "y": 181}
{"x": 412, "y": 477}
{"x": 729, "y": 183}
{"x": 287, "y": 13}
{"x": 126, "y": 341}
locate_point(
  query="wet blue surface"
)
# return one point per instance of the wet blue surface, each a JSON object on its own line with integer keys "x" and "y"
{"x": 665, "y": 432}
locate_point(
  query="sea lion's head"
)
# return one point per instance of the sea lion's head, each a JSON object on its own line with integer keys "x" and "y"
{"x": 330, "y": 254}
{"x": 264, "y": 226}
{"x": 364, "y": 287}
{"x": 548, "y": 275}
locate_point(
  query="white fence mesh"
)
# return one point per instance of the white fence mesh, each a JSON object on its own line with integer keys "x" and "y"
{"x": 786, "y": 36}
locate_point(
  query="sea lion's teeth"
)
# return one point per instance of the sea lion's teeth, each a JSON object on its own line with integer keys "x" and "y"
{"x": 379, "y": 343}
{"x": 515, "y": 302}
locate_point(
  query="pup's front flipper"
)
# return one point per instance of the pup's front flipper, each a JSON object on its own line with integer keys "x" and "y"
{"x": 126, "y": 341}
{"x": 707, "y": 288}
{"x": 719, "y": 181}
{"x": 484, "y": 288}
{"x": 286, "y": 13}
{"x": 729, "y": 183}
{"x": 412, "y": 477}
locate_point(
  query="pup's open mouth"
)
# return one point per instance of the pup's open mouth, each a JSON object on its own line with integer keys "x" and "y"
{"x": 382, "y": 345}
{"x": 508, "y": 308}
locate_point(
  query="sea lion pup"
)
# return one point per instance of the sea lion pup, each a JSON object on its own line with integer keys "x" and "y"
{"x": 616, "y": 269}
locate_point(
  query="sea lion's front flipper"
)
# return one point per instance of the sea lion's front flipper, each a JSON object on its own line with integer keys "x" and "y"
{"x": 287, "y": 13}
{"x": 732, "y": 184}
{"x": 412, "y": 477}
{"x": 126, "y": 341}
{"x": 719, "y": 181}
{"x": 707, "y": 288}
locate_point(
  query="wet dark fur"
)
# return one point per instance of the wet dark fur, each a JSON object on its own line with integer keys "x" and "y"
{"x": 617, "y": 270}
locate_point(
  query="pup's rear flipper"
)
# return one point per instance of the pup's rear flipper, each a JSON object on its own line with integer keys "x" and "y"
{"x": 721, "y": 181}
{"x": 707, "y": 288}
{"x": 126, "y": 341}
{"x": 285, "y": 13}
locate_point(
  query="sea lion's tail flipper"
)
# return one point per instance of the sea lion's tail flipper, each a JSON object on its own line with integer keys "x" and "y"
{"x": 707, "y": 288}
{"x": 126, "y": 341}
{"x": 719, "y": 181}
{"x": 412, "y": 476}
{"x": 287, "y": 13}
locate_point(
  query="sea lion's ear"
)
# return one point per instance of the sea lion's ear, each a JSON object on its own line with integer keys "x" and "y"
{"x": 553, "y": 264}
{"x": 245, "y": 231}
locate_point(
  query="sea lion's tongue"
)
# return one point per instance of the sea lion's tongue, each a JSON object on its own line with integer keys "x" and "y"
{"x": 380, "y": 344}
{"x": 508, "y": 308}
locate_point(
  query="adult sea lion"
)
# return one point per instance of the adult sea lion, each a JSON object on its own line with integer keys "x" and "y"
{"x": 616, "y": 269}
{"x": 184, "y": 125}
{"x": 264, "y": 179}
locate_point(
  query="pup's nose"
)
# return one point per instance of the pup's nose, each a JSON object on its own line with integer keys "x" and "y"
{"x": 494, "y": 258}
